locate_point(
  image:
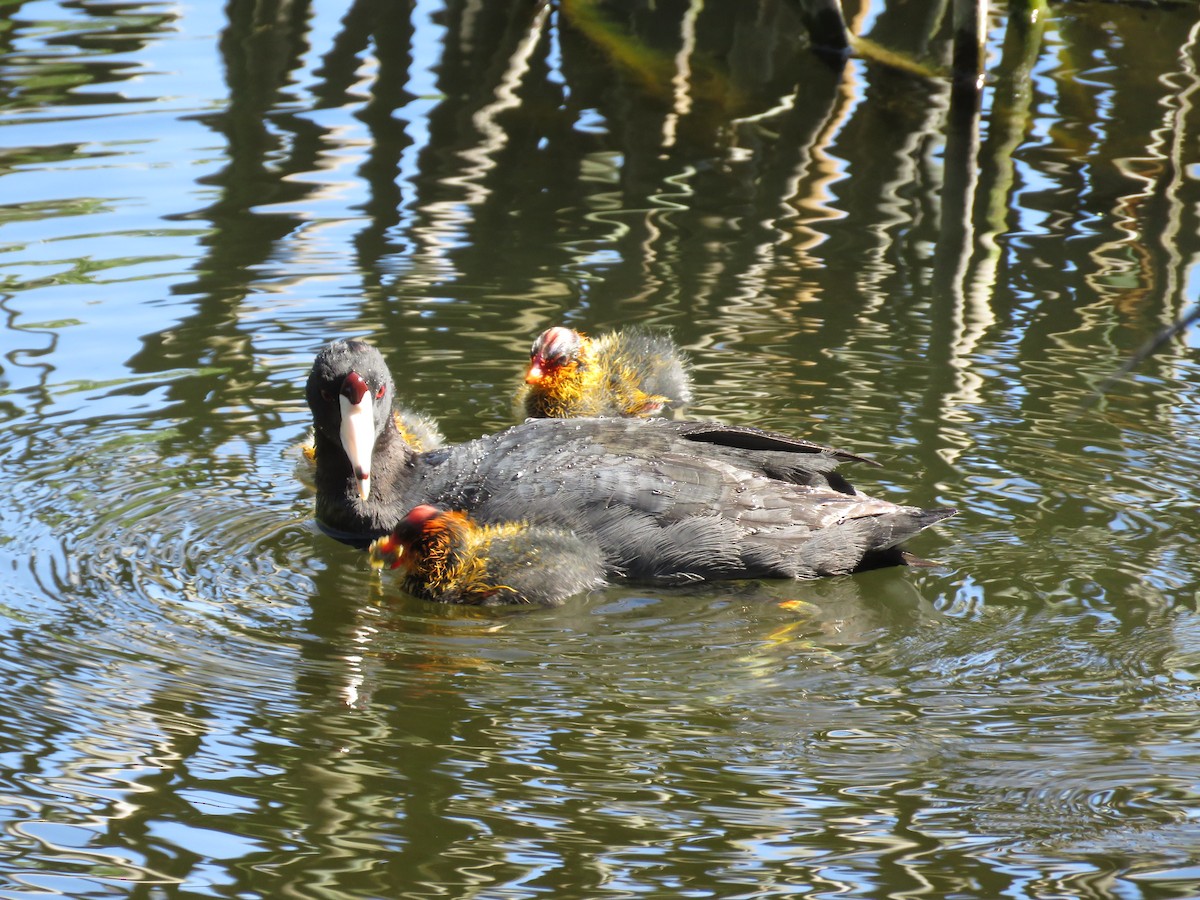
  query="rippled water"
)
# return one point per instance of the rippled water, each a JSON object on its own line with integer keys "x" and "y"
{"x": 207, "y": 697}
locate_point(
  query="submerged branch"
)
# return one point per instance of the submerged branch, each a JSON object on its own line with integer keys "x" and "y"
{"x": 1144, "y": 353}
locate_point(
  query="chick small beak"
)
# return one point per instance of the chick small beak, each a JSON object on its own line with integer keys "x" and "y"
{"x": 534, "y": 373}
{"x": 398, "y": 556}
{"x": 386, "y": 551}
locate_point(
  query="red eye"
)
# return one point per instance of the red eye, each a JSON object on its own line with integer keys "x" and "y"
{"x": 382, "y": 390}
{"x": 327, "y": 396}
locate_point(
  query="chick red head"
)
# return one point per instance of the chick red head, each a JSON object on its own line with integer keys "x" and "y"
{"x": 554, "y": 348}
{"x": 428, "y": 529}
{"x": 411, "y": 541}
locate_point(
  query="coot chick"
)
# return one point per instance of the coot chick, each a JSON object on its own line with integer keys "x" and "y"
{"x": 664, "y": 502}
{"x": 448, "y": 557}
{"x": 630, "y": 372}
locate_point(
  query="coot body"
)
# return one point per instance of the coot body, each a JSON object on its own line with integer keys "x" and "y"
{"x": 664, "y": 502}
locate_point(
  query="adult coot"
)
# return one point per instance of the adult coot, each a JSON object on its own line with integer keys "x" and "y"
{"x": 663, "y": 501}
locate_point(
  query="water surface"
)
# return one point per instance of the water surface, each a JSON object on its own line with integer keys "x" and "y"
{"x": 207, "y": 697}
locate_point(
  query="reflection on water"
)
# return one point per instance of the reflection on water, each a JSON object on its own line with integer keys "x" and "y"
{"x": 205, "y": 696}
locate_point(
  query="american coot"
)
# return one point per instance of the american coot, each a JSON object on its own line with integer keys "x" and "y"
{"x": 448, "y": 557}
{"x": 622, "y": 373}
{"x": 663, "y": 501}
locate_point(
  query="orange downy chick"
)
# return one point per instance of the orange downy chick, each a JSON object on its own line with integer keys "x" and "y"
{"x": 449, "y": 558}
{"x": 623, "y": 373}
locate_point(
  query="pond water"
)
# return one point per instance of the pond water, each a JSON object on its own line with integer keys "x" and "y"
{"x": 205, "y": 696}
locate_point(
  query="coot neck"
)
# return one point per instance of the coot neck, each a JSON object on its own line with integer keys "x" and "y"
{"x": 340, "y": 509}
